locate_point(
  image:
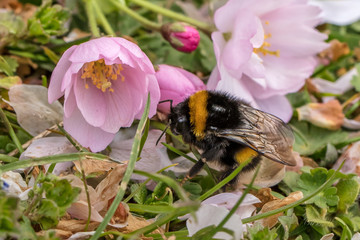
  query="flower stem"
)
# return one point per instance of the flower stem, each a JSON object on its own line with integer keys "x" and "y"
{"x": 144, "y": 21}
{"x": 11, "y": 131}
{"x": 104, "y": 22}
{"x": 89, "y": 7}
{"x": 177, "y": 16}
{"x": 129, "y": 170}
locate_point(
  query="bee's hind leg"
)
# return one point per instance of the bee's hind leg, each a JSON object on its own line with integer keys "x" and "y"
{"x": 194, "y": 170}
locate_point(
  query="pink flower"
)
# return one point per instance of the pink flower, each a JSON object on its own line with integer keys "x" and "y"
{"x": 265, "y": 49}
{"x": 176, "y": 84}
{"x": 181, "y": 36}
{"x": 106, "y": 82}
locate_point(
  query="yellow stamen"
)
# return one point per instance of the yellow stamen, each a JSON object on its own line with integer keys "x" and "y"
{"x": 265, "y": 45}
{"x": 102, "y": 75}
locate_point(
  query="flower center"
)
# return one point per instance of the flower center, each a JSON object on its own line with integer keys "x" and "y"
{"x": 264, "y": 48}
{"x": 101, "y": 75}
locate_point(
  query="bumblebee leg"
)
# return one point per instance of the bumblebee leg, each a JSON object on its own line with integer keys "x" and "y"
{"x": 194, "y": 170}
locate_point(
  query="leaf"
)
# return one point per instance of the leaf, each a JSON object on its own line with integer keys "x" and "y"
{"x": 346, "y": 232}
{"x": 310, "y": 139}
{"x": 356, "y": 78}
{"x": 288, "y": 223}
{"x": 8, "y": 65}
{"x": 63, "y": 194}
{"x": 258, "y": 232}
{"x": 8, "y": 82}
{"x": 313, "y": 216}
{"x": 46, "y": 214}
{"x": 347, "y": 190}
{"x": 140, "y": 195}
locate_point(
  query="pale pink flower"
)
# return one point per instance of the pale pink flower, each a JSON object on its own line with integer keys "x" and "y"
{"x": 176, "y": 84}
{"x": 265, "y": 49}
{"x": 105, "y": 82}
{"x": 181, "y": 36}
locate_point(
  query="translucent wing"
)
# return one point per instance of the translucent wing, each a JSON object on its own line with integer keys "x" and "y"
{"x": 264, "y": 133}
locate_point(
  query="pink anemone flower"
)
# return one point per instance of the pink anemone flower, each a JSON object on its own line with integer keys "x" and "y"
{"x": 176, "y": 84}
{"x": 106, "y": 82}
{"x": 265, "y": 49}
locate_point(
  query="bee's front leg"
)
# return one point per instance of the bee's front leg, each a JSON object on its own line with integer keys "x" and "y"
{"x": 209, "y": 155}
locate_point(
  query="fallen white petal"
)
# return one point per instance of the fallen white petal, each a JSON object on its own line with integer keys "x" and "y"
{"x": 33, "y": 111}
{"x": 208, "y": 215}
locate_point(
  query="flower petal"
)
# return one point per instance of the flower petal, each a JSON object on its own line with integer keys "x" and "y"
{"x": 283, "y": 109}
{"x": 57, "y": 76}
{"x": 94, "y": 50}
{"x": 90, "y": 101}
{"x": 87, "y": 135}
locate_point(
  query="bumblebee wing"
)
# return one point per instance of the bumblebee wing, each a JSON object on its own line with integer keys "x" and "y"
{"x": 264, "y": 133}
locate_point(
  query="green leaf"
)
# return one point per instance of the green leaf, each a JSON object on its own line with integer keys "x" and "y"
{"x": 355, "y": 81}
{"x": 141, "y": 194}
{"x": 8, "y": 65}
{"x": 347, "y": 190}
{"x": 346, "y": 232}
{"x": 8, "y": 82}
{"x": 288, "y": 223}
{"x": 258, "y": 232}
{"x": 9, "y": 215}
{"x": 63, "y": 194}
{"x": 310, "y": 139}
{"x": 314, "y": 216}
{"x": 46, "y": 214}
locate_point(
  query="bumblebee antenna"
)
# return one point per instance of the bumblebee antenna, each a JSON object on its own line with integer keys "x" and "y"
{"x": 168, "y": 100}
{"x": 162, "y": 134}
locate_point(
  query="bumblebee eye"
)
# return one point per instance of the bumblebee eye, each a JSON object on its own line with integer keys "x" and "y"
{"x": 181, "y": 119}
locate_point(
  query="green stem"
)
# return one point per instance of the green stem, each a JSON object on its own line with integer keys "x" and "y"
{"x": 177, "y": 16}
{"x": 104, "y": 22}
{"x": 8, "y": 159}
{"x": 87, "y": 196}
{"x": 224, "y": 181}
{"x": 144, "y": 21}
{"x": 129, "y": 170}
{"x": 50, "y": 159}
{"x": 90, "y": 12}
{"x": 11, "y": 131}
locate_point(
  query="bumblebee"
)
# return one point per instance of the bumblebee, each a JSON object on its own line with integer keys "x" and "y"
{"x": 228, "y": 131}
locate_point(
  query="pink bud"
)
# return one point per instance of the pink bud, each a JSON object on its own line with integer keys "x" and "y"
{"x": 176, "y": 84}
{"x": 181, "y": 36}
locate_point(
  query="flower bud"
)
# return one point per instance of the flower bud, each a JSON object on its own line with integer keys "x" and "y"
{"x": 176, "y": 84}
{"x": 181, "y": 36}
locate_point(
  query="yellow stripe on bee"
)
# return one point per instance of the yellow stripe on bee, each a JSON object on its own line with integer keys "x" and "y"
{"x": 198, "y": 113}
{"x": 245, "y": 154}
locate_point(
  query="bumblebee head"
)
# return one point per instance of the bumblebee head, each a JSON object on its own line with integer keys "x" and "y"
{"x": 179, "y": 120}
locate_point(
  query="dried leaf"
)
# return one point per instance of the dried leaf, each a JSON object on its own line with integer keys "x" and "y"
{"x": 121, "y": 214}
{"x": 272, "y": 220}
{"x": 60, "y": 233}
{"x": 351, "y": 157}
{"x": 327, "y": 115}
{"x": 74, "y": 225}
{"x": 95, "y": 166}
{"x": 265, "y": 196}
{"x": 335, "y": 51}
{"x": 33, "y": 111}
